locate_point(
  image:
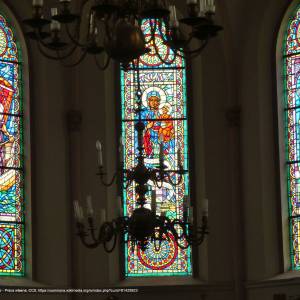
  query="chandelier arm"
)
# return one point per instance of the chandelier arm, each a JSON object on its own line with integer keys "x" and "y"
{"x": 89, "y": 245}
{"x": 180, "y": 224}
{"x": 182, "y": 246}
{"x": 73, "y": 39}
{"x": 92, "y": 229}
{"x": 161, "y": 58}
{"x": 40, "y": 40}
{"x": 107, "y": 29}
{"x": 167, "y": 41}
{"x": 105, "y": 66}
{"x": 155, "y": 46}
{"x": 82, "y": 57}
{"x": 197, "y": 241}
{"x": 72, "y": 50}
{"x": 45, "y": 53}
{"x": 82, "y": 234}
{"x": 109, "y": 250}
{"x": 109, "y": 183}
{"x": 153, "y": 30}
{"x": 197, "y": 51}
{"x": 151, "y": 35}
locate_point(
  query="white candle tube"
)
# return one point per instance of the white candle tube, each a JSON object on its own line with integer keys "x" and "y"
{"x": 55, "y": 26}
{"x": 102, "y": 216}
{"x": 99, "y": 150}
{"x": 172, "y": 17}
{"x": 214, "y": 9}
{"x": 203, "y": 7}
{"x": 205, "y": 207}
{"x": 91, "y": 30}
{"x": 211, "y": 6}
{"x": 81, "y": 215}
{"x": 175, "y": 13}
{"x": 89, "y": 204}
{"x": 54, "y": 11}
{"x": 76, "y": 210}
{"x": 37, "y": 3}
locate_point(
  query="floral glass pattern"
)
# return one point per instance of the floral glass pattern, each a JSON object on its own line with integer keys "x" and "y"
{"x": 164, "y": 114}
{"x": 11, "y": 155}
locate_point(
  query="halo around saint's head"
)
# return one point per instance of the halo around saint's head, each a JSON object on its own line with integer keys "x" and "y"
{"x": 153, "y": 91}
{"x": 167, "y": 105}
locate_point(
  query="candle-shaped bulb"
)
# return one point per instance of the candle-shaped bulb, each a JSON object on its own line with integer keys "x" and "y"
{"x": 89, "y": 205}
{"x": 173, "y": 17}
{"x": 202, "y": 8}
{"x": 175, "y": 13}
{"x": 205, "y": 207}
{"x": 102, "y": 216}
{"x": 81, "y": 216}
{"x": 99, "y": 151}
{"x": 76, "y": 210}
{"x": 54, "y": 11}
{"x": 37, "y": 3}
{"x": 91, "y": 30}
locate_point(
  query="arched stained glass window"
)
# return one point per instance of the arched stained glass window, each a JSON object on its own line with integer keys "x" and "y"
{"x": 291, "y": 63}
{"x": 11, "y": 158}
{"x": 165, "y": 116}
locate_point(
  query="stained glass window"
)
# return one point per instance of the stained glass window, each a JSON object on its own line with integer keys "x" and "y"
{"x": 164, "y": 113}
{"x": 11, "y": 150}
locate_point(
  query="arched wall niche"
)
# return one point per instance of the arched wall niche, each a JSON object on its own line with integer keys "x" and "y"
{"x": 13, "y": 23}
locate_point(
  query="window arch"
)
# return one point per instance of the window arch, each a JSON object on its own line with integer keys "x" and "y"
{"x": 165, "y": 115}
{"x": 12, "y": 237}
{"x": 291, "y": 106}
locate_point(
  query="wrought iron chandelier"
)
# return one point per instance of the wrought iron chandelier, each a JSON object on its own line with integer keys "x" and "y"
{"x": 143, "y": 225}
{"x": 112, "y": 27}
